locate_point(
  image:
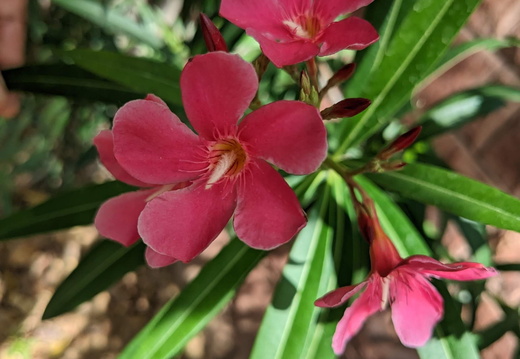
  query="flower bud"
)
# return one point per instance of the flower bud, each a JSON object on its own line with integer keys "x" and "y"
{"x": 400, "y": 143}
{"x": 308, "y": 92}
{"x": 212, "y": 37}
{"x": 343, "y": 74}
{"x": 346, "y": 108}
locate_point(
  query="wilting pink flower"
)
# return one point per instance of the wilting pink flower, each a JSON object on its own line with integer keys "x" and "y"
{"x": 401, "y": 284}
{"x": 292, "y": 31}
{"x": 225, "y": 162}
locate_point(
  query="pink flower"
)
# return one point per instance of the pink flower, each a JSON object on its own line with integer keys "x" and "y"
{"x": 292, "y": 31}
{"x": 225, "y": 162}
{"x": 401, "y": 284}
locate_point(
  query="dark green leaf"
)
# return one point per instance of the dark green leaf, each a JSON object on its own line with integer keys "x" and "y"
{"x": 182, "y": 317}
{"x": 106, "y": 263}
{"x": 423, "y": 37}
{"x": 69, "y": 209}
{"x": 110, "y": 20}
{"x": 139, "y": 74}
{"x": 465, "y": 107}
{"x": 453, "y": 193}
{"x": 69, "y": 81}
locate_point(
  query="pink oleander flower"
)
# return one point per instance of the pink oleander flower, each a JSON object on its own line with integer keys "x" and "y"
{"x": 401, "y": 284}
{"x": 225, "y": 164}
{"x": 292, "y": 31}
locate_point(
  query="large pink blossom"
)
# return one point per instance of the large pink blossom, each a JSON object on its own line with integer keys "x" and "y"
{"x": 402, "y": 285}
{"x": 292, "y": 31}
{"x": 225, "y": 163}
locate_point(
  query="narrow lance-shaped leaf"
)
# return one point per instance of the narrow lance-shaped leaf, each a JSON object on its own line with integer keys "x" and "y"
{"x": 182, "y": 317}
{"x": 291, "y": 319}
{"x": 420, "y": 41}
{"x": 106, "y": 263}
{"x": 110, "y": 20}
{"x": 453, "y": 193}
{"x": 69, "y": 81}
{"x": 139, "y": 74}
{"x": 69, "y": 209}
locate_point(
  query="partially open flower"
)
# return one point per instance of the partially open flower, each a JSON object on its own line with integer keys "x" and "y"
{"x": 401, "y": 284}
{"x": 226, "y": 161}
{"x": 292, "y": 31}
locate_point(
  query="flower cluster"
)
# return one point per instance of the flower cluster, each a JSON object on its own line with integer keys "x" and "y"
{"x": 192, "y": 182}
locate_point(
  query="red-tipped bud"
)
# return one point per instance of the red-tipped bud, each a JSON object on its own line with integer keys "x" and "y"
{"x": 346, "y": 108}
{"x": 400, "y": 143}
{"x": 212, "y": 37}
{"x": 393, "y": 166}
{"x": 343, "y": 74}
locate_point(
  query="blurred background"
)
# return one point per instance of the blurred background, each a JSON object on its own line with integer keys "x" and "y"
{"x": 46, "y": 148}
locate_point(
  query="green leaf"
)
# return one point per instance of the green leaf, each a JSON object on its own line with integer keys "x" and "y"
{"x": 182, "y": 317}
{"x": 106, "y": 263}
{"x": 290, "y": 322}
{"x": 73, "y": 208}
{"x": 453, "y": 193}
{"x": 110, "y": 20}
{"x": 464, "y": 107}
{"x": 395, "y": 223}
{"x": 460, "y": 52}
{"x": 421, "y": 40}
{"x": 139, "y": 74}
{"x": 69, "y": 81}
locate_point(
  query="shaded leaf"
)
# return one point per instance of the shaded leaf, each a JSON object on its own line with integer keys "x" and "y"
{"x": 106, "y": 263}
{"x": 73, "y": 208}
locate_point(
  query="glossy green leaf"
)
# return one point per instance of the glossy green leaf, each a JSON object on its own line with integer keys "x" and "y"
{"x": 73, "y": 208}
{"x": 182, "y": 317}
{"x": 453, "y": 193}
{"x": 290, "y": 321}
{"x": 139, "y": 74}
{"x": 460, "y": 52}
{"x": 69, "y": 81}
{"x": 106, "y": 263}
{"x": 420, "y": 41}
{"x": 395, "y": 223}
{"x": 464, "y": 107}
{"x": 110, "y": 20}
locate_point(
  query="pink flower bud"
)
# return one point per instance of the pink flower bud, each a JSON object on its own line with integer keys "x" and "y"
{"x": 347, "y": 108}
{"x": 212, "y": 37}
{"x": 400, "y": 143}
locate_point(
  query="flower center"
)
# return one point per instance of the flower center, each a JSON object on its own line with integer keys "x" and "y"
{"x": 304, "y": 26}
{"x": 227, "y": 159}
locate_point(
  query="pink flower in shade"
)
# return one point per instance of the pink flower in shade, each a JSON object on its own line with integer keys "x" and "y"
{"x": 292, "y": 31}
{"x": 225, "y": 162}
{"x": 399, "y": 283}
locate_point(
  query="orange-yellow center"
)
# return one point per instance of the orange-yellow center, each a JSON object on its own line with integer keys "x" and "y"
{"x": 304, "y": 26}
{"x": 227, "y": 159}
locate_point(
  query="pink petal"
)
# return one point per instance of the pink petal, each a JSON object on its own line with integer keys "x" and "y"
{"x": 181, "y": 224}
{"x": 416, "y": 309}
{"x": 285, "y": 53}
{"x": 156, "y": 259}
{"x": 268, "y": 213}
{"x": 355, "y": 316}
{"x": 339, "y": 296}
{"x": 104, "y": 143}
{"x": 217, "y": 88}
{"x": 289, "y": 134}
{"x": 153, "y": 145}
{"x": 455, "y": 271}
{"x": 351, "y": 33}
{"x": 156, "y": 99}
{"x": 117, "y": 218}
{"x": 264, "y": 16}
{"x": 328, "y": 10}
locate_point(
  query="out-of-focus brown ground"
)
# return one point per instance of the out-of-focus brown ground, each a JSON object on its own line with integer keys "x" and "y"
{"x": 30, "y": 269}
